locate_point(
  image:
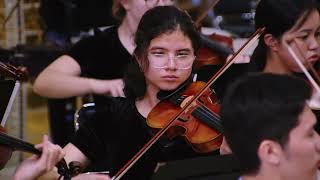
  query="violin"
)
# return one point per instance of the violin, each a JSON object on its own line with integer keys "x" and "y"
{"x": 9, "y": 144}
{"x": 17, "y": 74}
{"x": 181, "y": 119}
{"x": 214, "y": 48}
{"x": 205, "y": 135}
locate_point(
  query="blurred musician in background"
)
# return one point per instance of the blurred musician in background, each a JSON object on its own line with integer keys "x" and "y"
{"x": 270, "y": 127}
{"x": 301, "y": 21}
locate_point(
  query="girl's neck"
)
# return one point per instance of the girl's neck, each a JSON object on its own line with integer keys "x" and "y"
{"x": 275, "y": 65}
{"x": 126, "y": 32}
{"x": 148, "y": 102}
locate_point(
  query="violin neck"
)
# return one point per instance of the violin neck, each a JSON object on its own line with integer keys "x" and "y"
{"x": 17, "y": 144}
{"x": 20, "y": 145}
{"x": 208, "y": 117}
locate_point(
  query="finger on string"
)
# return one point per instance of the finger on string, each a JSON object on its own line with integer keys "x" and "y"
{"x": 44, "y": 156}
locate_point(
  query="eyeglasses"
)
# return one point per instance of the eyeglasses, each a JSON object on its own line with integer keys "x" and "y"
{"x": 161, "y": 60}
{"x": 153, "y": 3}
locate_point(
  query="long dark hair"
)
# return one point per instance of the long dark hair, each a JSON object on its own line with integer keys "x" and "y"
{"x": 277, "y": 16}
{"x": 118, "y": 11}
{"x": 156, "y": 21}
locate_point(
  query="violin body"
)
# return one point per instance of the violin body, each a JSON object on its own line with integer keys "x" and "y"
{"x": 214, "y": 56}
{"x": 199, "y": 124}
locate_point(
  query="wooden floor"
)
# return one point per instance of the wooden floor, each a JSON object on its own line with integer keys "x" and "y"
{"x": 34, "y": 127}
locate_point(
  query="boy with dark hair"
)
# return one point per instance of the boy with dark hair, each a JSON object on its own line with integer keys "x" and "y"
{"x": 270, "y": 127}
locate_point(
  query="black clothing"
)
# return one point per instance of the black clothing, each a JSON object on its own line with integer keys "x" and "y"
{"x": 72, "y": 16}
{"x": 117, "y": 132}
{"x": 234, "y": 72}
{"x": 93, "y": 13}
{"x": 223, "y": 167}
{"x": 61, "y": 121}
{"x": 101, "y": 56}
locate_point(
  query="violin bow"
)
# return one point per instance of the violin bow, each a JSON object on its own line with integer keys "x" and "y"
{"x": 161, "y": 132}
{"x": 310, "y": 66}
{"x": 302, "y": 67}
{"x": 315, "y": 85}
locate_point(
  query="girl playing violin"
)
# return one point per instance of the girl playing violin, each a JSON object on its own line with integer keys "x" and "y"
{"x": 296, "y": 19}
{"x": 95, "y": 65}
{"x": 166, "y": 44}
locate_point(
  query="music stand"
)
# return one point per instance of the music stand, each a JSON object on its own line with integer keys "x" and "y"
{"x": 224, "y": 167}
{"x": 8, "y": 92}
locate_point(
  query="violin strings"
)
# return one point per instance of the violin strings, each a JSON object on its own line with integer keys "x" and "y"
{"x": 211, "y": 118}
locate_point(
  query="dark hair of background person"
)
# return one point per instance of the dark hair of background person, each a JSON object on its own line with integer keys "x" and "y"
{"x": 261, "y": 106}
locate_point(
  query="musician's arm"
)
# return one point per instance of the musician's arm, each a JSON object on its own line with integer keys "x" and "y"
{"x": 74, "y": 154}
{"x": 61, "y": 79}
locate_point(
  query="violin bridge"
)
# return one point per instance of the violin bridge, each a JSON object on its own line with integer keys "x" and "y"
{"x": 183, "y": 119}
{"x": 185, "y": 101}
